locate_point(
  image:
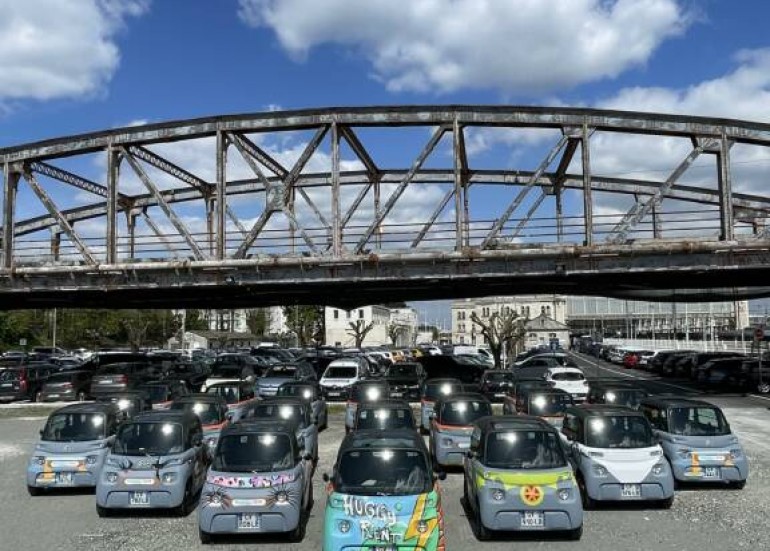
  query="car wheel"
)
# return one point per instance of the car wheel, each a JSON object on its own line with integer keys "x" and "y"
{"x": 738, "y": 484}
{"x": 310, "y": 501}
{"x": 81, "y": 396}
{"x": 183, "y": 509}
{"x": 588, "y": 501}
{"x": 576, "y": 534}
{"x": 666, "y": 503}
{"x": 205, "y": 537}
{"x": 34, "y": 491}
{"x": 482, "y": 532}
{"x": 103, "y": 512}
{"x": 298, "y": 534}
{"x": 763, "y": 388}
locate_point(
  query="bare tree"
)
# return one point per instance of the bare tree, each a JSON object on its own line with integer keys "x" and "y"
{"x": 358, "y": 330}
{"x": 502, "y": 330}
{"x": 395, "y": 330}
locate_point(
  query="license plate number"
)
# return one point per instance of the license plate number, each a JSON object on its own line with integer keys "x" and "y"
{"x": 396, "y": 394}
{"x": 138, "y": 499}
{"x": 64, "y": 478}
{"x": 631, "y": 490}
{"x": 248, "y": 521}
{"x": 105, "y": 382}
{"x": 711, "y": 472}
{"x": 533, "y": 519}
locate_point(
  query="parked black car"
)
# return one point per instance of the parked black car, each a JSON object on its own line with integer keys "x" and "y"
{"x": 405, "y": 380}
{"x": 688, "y": 367}
{"x": 25, "y": 382}
{"x": 162, "y": 393}
{"x": 120, "y": 377}
{"x": 496, "y": 383}
{"x": 753, "y": 379}
{"x": 440, "y": 367}
{"x": 717, "y": 372}
{"x": 130, "y": 403}
{"x": 67, "y": 386}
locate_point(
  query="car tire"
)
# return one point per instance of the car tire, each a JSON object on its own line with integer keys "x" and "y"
{"x": 34, "y": 491}
{"x": 575, "y": 534}
{"x": 298, "y": 534}
{"x": 588, "y": 502}
{"x": 482, "y": 532}
{"x": 103, "y": 512}
{"x": 183, "y": 509}
{"x": 666, "y": 503}
{"x": 205, "y": 537}
{"x": 738, "y": 484}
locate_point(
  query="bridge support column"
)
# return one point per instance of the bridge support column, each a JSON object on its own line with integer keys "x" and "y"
{"x": 336, "y": 225}
{"x": 221, "y": 231}
{"x": 726, "y": 226}
{"x": 55, "y": 245}
{"x": 131, "y": 225}
{"x": 11, "y": 176}
{"x": 588, "y": 216}
{"x": 114, "y": 158}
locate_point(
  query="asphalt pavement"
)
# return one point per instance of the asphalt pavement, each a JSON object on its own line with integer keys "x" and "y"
{"x": 700, "y": 519}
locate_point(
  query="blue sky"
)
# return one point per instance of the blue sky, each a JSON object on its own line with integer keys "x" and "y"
{"x": 75, "y": 66}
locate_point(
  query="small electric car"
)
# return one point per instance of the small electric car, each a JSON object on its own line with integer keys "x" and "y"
{"x": 163, "y": 393}
{"x": 310, "y": 391}
{"x": 432, "y": 391}
{"x": 211, "y": 410}
{"x": 547, "y": 404}
{"x": 518, "y": 477}
{"x": 383, "y": 494}
{"x": 363, "y": 392}
{"x": 452, "y": 423}
{"x": 388, "y": 414}
{"x": 158, "y": 461}
{"x": 697, "y": 441}
{"x": 72, "y": 447}
{"x": 495, "y": 384}
{"x": 616, "y": 456}
{"x": 238, "y": 394}
{"x": 259, "y": 482}
{"x": 516, "y": 396}
{"x": 289, "y": 410}
{"x": 617, "y": 393}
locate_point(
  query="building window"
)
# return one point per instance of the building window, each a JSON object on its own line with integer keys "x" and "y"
{"x": 336, "y": 314}
{"x": 348, "y": 314}
{"x": 360, "y": 314}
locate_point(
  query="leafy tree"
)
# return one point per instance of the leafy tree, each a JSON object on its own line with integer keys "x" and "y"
{"x": 194, "y": 321}
{"x": 395, "y": 330}
{"x": 501, "y": 330}
{"x": 256, "y": 321}
{"x": 303, "y": 321}
{"x": 358, "y": 330}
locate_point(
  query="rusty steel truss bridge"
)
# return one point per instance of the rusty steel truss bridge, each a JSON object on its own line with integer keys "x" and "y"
{"x": 349, "y": 206}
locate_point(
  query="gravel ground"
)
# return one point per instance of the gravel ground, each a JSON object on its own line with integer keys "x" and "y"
{"x": 701, "y": 518}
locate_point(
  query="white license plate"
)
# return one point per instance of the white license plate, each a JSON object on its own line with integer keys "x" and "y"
{"x": 533, "y": 519}
{"x": 64, "y": 478}
{"x": 396, "y": 394}
{"x": 463, "y": 445}
{"x": 631, "y": 490}
{"x": 6, "y": 385}
{"x": 138, "y": 499}
{"x": 248, "y": 521}
{"x": 53, "y": 395}
{"x": 105, "y": 382}
{"x": 711, "y": 472}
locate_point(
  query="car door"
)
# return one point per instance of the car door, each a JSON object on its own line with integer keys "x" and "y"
{"x": 471, "y": 464}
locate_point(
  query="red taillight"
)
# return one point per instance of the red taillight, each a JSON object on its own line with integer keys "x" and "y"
{"x": 121, "y": 379}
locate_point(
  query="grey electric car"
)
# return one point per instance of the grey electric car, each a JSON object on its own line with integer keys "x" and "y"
{"x": 290, "y": 410}
{"x": 452, "y": 423}
{"x": 311, "y": 392}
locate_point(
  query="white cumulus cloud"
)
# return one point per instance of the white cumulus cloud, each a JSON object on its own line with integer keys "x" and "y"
{"x": 60, "y": 49}
{"x": 523, "y": 47}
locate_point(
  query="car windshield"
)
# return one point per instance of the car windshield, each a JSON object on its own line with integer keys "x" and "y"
{"x": 548, "y": 404}
{"x": 277, "y": 411}
{"x": 567, "y": 376}
{"x": 402, "y": 371}
{"x": 463, "y": 412}
{"x": 383, "y": 472}
{"x": 74, "y": 427}
{"x": 619, "y": 431}
{"x": 229, "y": 392}
{"x": 281, "y": 372}
{"x": 697, "y": 421}
{"x": 149, "y": 438}
{"x": 524, "y": 449}
{"x": 209, "y": 413}
{"x": 437, "y": 390}
{"x": 253, "y": 453}
{"x": 157, "y": 393}
{"x": 382, "y": 418}
{"x": 368, "y": 393}
{"x": 341, "y": 372}
{"x": 622, "y": 397}
{"x": 305, "y": 392}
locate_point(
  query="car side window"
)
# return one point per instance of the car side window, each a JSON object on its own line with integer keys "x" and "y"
{"x": 475, "y": 440}
{"x": 569, "y": 428}
{"x": 657, "y": 418}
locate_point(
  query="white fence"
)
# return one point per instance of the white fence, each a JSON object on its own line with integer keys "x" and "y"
{"x": 701, "y": 346}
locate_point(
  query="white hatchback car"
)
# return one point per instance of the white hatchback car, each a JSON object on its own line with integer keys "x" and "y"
{"x": 569, "y": 379}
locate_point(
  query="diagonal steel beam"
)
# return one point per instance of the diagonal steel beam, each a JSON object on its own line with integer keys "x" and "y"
{"x": 427, "y": 150}
{"x": 359, "y": 149}
{"x": 244, "y": 147}
{"x": 254, "y": 232}
{"x": 74, "y": 180}
{"x": 170, "y": 168}
{"x": 432, "y": 220}
{"x": 524, "y": 191}
{"x": 295, "y": 171}
{"x": 236, "y": 221}
{"x": 263, "y": 157}
{"x": 173, "y": 218}
{"x": 641, "y": 209}
{"x": 528, "y": 216}
{"x": 56, "y": 213}
{"x": 156, "y": 230}
{"x": 297, "y": 227}
{"x": 356, "y": 203}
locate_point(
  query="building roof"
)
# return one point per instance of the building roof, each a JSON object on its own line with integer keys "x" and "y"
{"x": 544, "y": 323}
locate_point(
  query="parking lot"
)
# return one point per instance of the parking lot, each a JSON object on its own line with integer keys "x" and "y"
{"x": 701, "y": 518}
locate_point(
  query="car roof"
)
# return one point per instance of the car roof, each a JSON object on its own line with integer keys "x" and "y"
{"x": 565, "y": 369}
{"x": 460, "y": 396}
{"x": 300, "y": 383}
{"x": 96, "y": 407}
{"x": 286, "y": 400}
{"x": 167, "y": 415}
{"x": 386, "y": 404}
{"x": 371, "y": 382}
{"x": 599, "y": 410}
{"x": 443, "y": 380}
{"x": 546, "y": 390}
{"x": 201, "y": 397}
{"x": 675, "y": 401}
{"x": 512, "y": 422}
{"x": 383, "y": 439}
{"x": 492, "y": 371}
{"x": 260, "y": 425}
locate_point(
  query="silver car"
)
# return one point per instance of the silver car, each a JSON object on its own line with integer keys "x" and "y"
{"x": 259, "y": 482}
{"x": 158, "y": 461}
{"x": 452, "y": 423}
{"x": 72, "y": 447}
{"x": 310, "y": 392}
{"x": 433, "y": 390}
{"x": 288, "y": 410}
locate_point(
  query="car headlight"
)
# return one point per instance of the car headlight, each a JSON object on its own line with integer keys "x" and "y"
{"x": 344, "y": 526}
{"x": 39, "y": 460}
{"x": 110, "y": 477}
{"x": 447, "y": 442}
{"x": 564, "y": 494}
{"x": 684, "y": 453}
{"x": 92, "y": 459}
{"x": 658, "y": 468}
{"x": 498, "y": 494}
{"x": 599, "y": 470}
{"x": 215, "y": 500}
{"x": 281, "y": 498}
{"x": 168, "y": 478}
{"x": 422, "y": 527}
